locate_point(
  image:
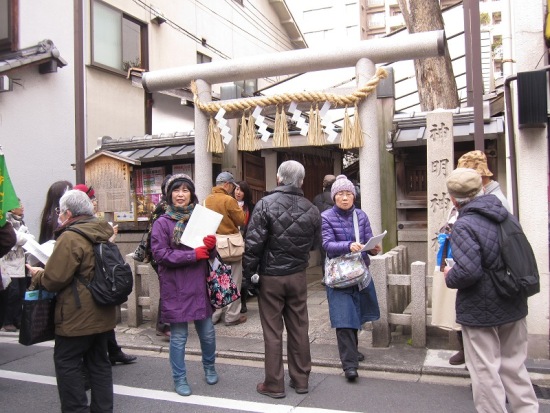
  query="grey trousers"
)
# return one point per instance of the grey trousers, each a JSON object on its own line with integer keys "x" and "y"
{"x": 495, "y": 357}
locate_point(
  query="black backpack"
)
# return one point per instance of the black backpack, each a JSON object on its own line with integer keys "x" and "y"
{"x": 113, "y": 280}
{"x": 520, "y": 275}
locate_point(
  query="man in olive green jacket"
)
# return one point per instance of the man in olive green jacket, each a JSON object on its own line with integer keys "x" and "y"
{"x": 80, "y": 331}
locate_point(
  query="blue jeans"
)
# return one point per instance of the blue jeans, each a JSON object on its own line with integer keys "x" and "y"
{"x": 178, "y": 339}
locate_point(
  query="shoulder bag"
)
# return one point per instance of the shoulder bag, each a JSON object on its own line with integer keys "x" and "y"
{"x": 347, "y": 270}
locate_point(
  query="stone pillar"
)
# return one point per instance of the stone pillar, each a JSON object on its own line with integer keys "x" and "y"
{"x": 203, "y": 159}
{"x": 369, "y": 154}
{"x": 440, "y": 160}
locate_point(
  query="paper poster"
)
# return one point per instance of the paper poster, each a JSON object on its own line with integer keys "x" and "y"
{"x": 203, "y": 222}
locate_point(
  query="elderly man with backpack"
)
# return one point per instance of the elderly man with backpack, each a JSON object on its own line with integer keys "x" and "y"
{"x": 82, "y": 327}
{"x": 494, "y": 327}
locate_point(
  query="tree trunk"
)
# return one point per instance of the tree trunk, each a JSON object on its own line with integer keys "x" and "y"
{"x": 434, "y": 75}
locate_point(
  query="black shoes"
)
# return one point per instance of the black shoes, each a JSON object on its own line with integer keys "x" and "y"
{"x": 351, "y": 374}
{"x": 122, "y": 358}
{"x": 360, "y": 356}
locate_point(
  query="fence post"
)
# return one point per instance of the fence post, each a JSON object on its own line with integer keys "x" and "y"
{"x": 132, "y": 303}
{"x": 418, "y": 311}
{"x": 154, "y": 295}
{"x": 379, "y": 267}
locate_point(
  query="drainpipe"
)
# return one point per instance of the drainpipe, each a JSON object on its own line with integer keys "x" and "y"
{"x": 79, "y": 118}
{"x": 511, "y": 144}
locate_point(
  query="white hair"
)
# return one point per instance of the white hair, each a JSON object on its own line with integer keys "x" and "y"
{"x": 291, "y": 173}
{"x": 463, "y": 201}
{"x": 77, "y": 202}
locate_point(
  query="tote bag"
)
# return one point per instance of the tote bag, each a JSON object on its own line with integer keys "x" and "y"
{"x": 222, "y": 290}
{"x": 37, "y": 319}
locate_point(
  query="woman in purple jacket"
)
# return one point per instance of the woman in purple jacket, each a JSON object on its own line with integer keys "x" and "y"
{"x": 182, "y": 276}
{"x": 350, "y": 307}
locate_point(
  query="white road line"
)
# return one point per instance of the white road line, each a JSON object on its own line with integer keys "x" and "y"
{"x": 217, "y": 402}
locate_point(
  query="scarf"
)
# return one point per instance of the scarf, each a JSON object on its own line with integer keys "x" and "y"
{"x": 181, "y": 215}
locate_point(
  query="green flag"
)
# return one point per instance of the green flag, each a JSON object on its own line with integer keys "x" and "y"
{"x": 8, "y": 198}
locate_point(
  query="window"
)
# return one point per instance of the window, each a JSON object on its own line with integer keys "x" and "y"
{"x": 202, "y": 58}
{"x": 118, "y": 41}
{"x": 9, "y": 20}
{"x": 376, "y": 20}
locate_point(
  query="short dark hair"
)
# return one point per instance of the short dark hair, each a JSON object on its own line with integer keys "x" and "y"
{"x": 177, "y": 183}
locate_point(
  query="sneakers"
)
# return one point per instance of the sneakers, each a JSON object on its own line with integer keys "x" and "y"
{"x": 242, "y": 319}
{"x": 10, "y": 328}
{"x": 299, "y": 390}
{"x": 260, "y": 388}
{"x": 457, "y": 359}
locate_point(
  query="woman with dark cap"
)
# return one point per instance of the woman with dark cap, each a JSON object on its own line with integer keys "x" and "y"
{"x": 182, "y": 276}
{"x": 351, "y": 307}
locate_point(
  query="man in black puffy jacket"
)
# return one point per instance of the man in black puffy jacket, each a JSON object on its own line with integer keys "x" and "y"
{"x": 494, "y": 328}
{"x": 282, "y": 231}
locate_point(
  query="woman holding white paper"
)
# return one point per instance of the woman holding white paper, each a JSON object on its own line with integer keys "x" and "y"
{"x": 350, "y": 307}
{"x": 182, "y": 275}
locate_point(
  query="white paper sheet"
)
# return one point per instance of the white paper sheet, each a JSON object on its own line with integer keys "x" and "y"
{"x": 38, "y": 252}
{"x": 203, "y": 222}
{"x": 374, "y": 241}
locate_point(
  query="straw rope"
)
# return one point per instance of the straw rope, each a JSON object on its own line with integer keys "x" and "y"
{"x": 287, "y": 98}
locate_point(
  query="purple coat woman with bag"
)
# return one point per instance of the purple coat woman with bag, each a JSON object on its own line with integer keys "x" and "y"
{"x": 349, "y": 307}
{"x": 182, "y": 274}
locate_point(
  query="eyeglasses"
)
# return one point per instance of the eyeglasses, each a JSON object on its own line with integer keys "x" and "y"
{"x": 343, "y": 194}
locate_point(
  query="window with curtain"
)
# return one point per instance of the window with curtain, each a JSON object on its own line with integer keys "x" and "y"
{"x": 116, "y": 39}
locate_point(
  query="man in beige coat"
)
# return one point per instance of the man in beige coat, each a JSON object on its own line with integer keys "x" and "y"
{"x": 221, "y": 201}
{"x": 81, "y": 332}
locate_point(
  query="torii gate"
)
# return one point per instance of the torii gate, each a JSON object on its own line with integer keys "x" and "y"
{"x": 364, "y": 55}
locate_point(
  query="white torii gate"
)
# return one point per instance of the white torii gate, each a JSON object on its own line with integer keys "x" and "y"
{"x": 364, "y": 55}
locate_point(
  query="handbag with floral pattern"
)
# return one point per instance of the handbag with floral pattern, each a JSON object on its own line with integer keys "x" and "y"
{"x": 221, "y": 287}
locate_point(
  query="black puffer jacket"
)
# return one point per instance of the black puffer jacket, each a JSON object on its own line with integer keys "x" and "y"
{"x": 476, "y": 251}
{"x": 281, "y": 232}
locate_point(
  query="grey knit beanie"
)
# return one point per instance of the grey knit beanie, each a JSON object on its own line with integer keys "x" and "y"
{"x": 342, "y": 183}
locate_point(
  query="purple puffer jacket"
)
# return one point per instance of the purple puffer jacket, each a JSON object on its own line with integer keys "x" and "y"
{"x": 339, "y": 234}
{"x": 182, "y": 278}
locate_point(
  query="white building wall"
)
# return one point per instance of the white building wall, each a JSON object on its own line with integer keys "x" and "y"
{"x": 530, "y": 53}
{"x": 37, "y": 118}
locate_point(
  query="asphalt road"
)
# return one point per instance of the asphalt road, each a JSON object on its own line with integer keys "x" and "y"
{"x": 27, "y": 384}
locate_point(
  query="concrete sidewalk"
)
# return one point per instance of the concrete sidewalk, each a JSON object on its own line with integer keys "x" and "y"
{"x": 245, "y": 341}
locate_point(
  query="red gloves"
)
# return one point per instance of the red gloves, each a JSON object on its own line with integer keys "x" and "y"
{"x": 209, "y": 241}
{"x": 201, "y": 253}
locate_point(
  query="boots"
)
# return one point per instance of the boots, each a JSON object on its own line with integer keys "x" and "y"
{"x": 210, "y": 374}
{"x": 182, "y": 387}
{"x": 458, "y": 358}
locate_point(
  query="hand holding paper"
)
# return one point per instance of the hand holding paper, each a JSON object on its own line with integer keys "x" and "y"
{"x": 203, "y": 222}
{"x": 374, "y": 241}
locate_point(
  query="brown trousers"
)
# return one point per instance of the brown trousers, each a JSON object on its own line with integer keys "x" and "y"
{"x": 284, "y": 299}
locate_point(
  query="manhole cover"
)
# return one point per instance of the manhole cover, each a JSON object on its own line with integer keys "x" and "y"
{"x": 542, "y": 392}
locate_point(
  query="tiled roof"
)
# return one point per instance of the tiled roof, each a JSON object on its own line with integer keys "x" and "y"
{"x": 41, "y": 53}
